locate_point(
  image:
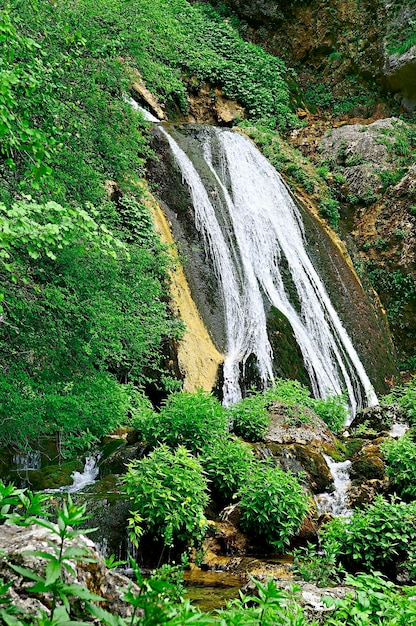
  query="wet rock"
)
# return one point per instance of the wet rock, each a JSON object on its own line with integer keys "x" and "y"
{"x": 306, "y": 462}
{"x": 368, "y": 464}
{"x": 225, "y": 539}
{"x": 308, "y": 533}
{"x": 54, "y": 476}
{"x": 116, "y": 461}
{"x": 366, "y": 491}
{"x": 298, "y": 425}
{"x": 376, "y": 419}
{"x": 16, "y": 541}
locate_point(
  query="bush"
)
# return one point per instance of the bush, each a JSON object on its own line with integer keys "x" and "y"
{"x": 273, "y": 505}
{"x": 249, "y": 417}
{"x": 376, "y": 538}
{"x": 189, "y": 419}
{"x": 400, "y": 457}
{"x": 333, "y": 411}
{"x": 405, "y": 396}
{"x": 375, "y": 601}
{"x": 227, "y": 463}
{"x": 168, "y": 491}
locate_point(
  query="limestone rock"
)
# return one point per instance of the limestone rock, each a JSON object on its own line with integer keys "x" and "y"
{"x": 399, "y": 68}
{"x": 16, "y": 541}
{"x": 377, "y": 419}
{"x": 298, "y": 425}
{"x": 368, "y": 464}
{"x": 348, "y": 144}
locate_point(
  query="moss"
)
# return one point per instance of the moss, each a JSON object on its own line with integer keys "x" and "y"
{"x": 54, "y": 476}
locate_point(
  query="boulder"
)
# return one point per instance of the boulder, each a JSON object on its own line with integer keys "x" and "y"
{"x": 368, "y": 464}
{"x": 399, "y": 59}
{"x": 17, "y": 542}
{"x": 376, "y": 419}
{"x": 298, "y": 424}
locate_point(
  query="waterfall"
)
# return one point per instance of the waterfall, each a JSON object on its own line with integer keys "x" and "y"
{"x": 251, "y": 229}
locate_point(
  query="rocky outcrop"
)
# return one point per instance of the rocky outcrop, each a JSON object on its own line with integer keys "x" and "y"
{"x": 296, "y": 439}
{"x": 364, "y": 152}
{"x": 399, "y": 62}
{"x": 376, "y": 419}
{"x": 17, "y": 542}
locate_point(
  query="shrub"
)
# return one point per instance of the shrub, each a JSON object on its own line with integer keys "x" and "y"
{"x": 317, "y": 565}
{"x": 375, "y": 538}
{"x": 405, "y": 395}
{"x": 249, "y": 417}
{"x": 375, "y": 601}
{"x": 189, "y": 419}
{"x": 227, "y": 463}
{"x": 288, "y": 392}
{"x": 400, "y": 457}
{"x": 273, "y": 505}
{"x": 168, "y": 491}
{"x": 329, "y": 209}
{"x": 333, "y": 411}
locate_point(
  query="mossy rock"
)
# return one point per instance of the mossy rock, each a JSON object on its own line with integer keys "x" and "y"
{"x": 368, "y": 464}
{"x": 54, "y": 476}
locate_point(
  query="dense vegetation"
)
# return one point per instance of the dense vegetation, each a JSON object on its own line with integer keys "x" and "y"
{"x": 86, "y": 329}
{"x": 84, "y": 279}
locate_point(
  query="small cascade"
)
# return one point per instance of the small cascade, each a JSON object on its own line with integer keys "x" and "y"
{"x": 336, "y": 503}
{"x": 253, "y": 232}
{"x": 398, "y": 429}
{"x": 81, "y": 479}
{"x": 27, "y": 461}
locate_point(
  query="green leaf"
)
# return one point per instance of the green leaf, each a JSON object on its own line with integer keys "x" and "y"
{"x": 27, "y": 573}
{"x": 53, "y": 572}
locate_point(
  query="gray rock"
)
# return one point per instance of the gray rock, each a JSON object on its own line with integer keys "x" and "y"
{"x": 17, "y": 541}
{"x": 399, "y": 70}
{"x": 355, "y": 144}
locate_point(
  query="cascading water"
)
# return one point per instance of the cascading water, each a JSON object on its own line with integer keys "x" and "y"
{"x": 251, "y": 229}
{"x": 336, "y": 503}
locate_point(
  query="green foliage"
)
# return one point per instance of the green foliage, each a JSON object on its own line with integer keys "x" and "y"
{"x": 249, "y": 417}
{"x": 42, "y": 230}
{"x": 375, "y": 538}
{"x": 333, "y": 411}
{"x": 405, "y": 396}
{"x": 194, "y": 420}
{"x": 400, "y": 458}
{"x": 168, "y": 490}
{"x": 318, "y": 565}
{"x": 227, "y": 463}
{"x": 22, "y": 68}
{"x": 329, "y": 209}
{"x": 77, "y": 319}
{"x": 273, "y": 505}
{"x": 374, "y": 600}
{"x": 78, "y": 410}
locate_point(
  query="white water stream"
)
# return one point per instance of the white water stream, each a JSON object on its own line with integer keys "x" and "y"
{"x": 336, "y": 503}
{"x": 82, "y": 479}
{"x": 252, "y": 228}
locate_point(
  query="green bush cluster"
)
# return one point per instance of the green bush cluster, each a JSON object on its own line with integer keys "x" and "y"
{"x": 227, "y": 463}
{"x": 168, "y": 492}
{"x": 190, "y": 419}
{"x": 400, "y": 459}
{"x": 273, "y": 505}
{"x": 376, "y": 538}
